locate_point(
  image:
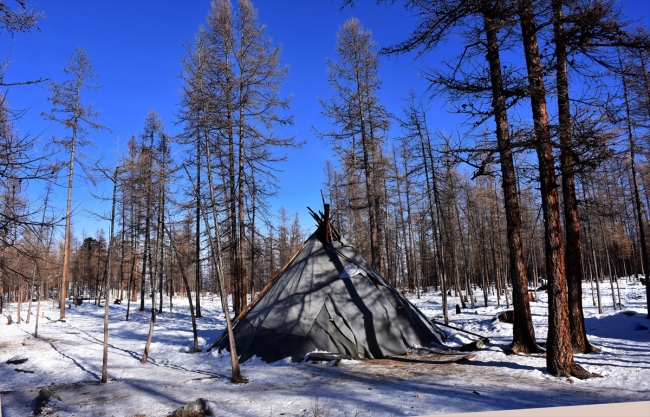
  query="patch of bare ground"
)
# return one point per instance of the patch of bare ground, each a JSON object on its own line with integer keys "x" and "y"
{"x": 415, "y": 366}
{"x": 91, "y": 393}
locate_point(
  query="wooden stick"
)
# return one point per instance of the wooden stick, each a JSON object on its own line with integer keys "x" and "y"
{"x": 327, "y": 224}
{"x": 460, "y": 330}
{"x": 257, "y": 297}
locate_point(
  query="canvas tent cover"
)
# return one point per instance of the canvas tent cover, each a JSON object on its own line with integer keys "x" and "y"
{"x": 329, "y": 299}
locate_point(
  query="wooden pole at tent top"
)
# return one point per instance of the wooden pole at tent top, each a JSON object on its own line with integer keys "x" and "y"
{"x": 327, "y": 224}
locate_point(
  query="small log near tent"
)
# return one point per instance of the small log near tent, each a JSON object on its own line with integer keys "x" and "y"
{"x": 328, "y": 299}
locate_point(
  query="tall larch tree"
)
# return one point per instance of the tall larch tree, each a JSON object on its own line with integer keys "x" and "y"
{"x": 360, "y": 120}
{"x": 485, "y": 24}
{"x": 79, "y": 118}
{"x": 235, "y": 94}
{"x": 559, "y": 357}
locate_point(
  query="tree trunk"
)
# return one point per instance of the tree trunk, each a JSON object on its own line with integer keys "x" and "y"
{"x": 215, "y": 246}
{"x": 20, "y": 303}
{"x": 187, "y": 289}
{"x": 107, "y": 277}
{"x": 595, "y": 260}
{"x": 571, "y": 221}
{"x": 66, "y": 242}
{"x": 198, "y": 227}
{"x": 523, "y": 332}
{"x": 41, "y": 287}
{"x": 434, "y": 205}
{"x": 30, "y": 293}
{"x": 131, "y": 290}
{"x": 152, "y": 321}
{"x": 645, "y": 257}
{"x": 559, "y": 351}
{"x": 241, "y": 283}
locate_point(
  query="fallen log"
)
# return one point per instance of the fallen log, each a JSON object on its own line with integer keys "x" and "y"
{"x": 485, "y": 339}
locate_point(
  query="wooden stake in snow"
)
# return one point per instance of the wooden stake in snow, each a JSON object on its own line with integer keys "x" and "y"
{"x": 327, "y": 224}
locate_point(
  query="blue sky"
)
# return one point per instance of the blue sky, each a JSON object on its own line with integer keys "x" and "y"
{"x": 136, "y": 47}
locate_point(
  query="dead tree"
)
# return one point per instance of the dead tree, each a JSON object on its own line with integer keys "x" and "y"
{"x": 68, "y": 109}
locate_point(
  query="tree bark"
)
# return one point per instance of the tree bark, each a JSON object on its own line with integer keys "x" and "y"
{"x": 645, "y": 257}
{"x": 559, "y": 351}
{"x": 572, "y": 249}
{"x": 523, "y": 332}
{"x": 107, "y": 277}
{"x": 66, "y": 242}
{"x": 152, "y": 321}
{"x": 215, "y": 246}
{"x": 198, "y": 226}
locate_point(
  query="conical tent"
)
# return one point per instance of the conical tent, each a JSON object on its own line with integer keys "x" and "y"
{"x": 329, "y": 299}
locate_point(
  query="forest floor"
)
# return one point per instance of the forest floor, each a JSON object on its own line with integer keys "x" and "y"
{"x": 67, "y": 357}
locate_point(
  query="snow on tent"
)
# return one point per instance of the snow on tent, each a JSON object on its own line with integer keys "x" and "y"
{"x": 327, "y": 298}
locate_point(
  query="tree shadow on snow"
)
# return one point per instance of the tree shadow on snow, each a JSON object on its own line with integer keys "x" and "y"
{"x": 417, "y": 393}
{"x": 634, "y": 328}
{"x": 60, "y": 352}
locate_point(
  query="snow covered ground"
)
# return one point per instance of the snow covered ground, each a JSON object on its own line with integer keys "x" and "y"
{"x": 68, "y": 356}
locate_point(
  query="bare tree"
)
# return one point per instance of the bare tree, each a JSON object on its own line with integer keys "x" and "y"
{"x": 645, "y": 255}
{"x": 107, "y": 275}
{"x": 215, "y": 246}
{"x": 69, "y": 110}
{"x": 438, "y": 19}
{"x": 20, "y": 18}
{"x": 156, "y": 176}
{"x": 232, "y": 99}
{"x": 360, "y": 119}
{"x": 523, "y": 331}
